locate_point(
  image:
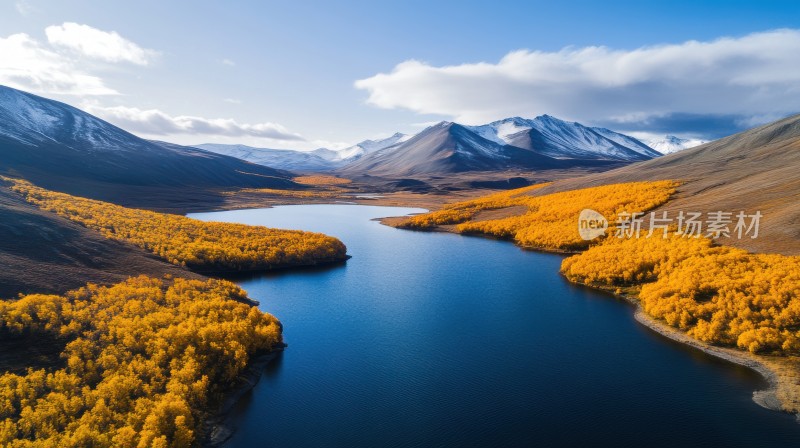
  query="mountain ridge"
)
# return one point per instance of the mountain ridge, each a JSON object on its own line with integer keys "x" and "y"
{"x": 671, "y": 143}
{"x": 558, "y": 138}
{"x": 754, "y": 170}
{"x": 544, "y": 135}
{"x": 59, "y": 146}
{"x": 320, "y": 159}
{"x": 515, "y": 143}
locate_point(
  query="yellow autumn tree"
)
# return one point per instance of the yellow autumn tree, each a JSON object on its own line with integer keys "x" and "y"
{"x": 144, "y": 362}
{"x": 203, "y": 246}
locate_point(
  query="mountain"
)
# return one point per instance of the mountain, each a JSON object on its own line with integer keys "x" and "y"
{"x": 448, "y": 148}
{"x": 757, "y": 170}
{"x": 322, "y": 159}
{"x": 517, "y": 143}
{"x": 285, "y": 159}
{"x": 60, "y": 146}
{"x": 512, "y": 143}
{"x": 369, "y": 146}
{"x": 561, "y": 139}
{"x": 671, "y": 143}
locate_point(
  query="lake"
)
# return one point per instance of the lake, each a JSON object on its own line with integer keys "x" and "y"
{"x": 441, "y": 340}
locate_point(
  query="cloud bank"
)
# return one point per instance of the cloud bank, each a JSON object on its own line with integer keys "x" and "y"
{"x": 58, "y": 66}
{"x": 153, "y": 122}
{"x": 31, "y": 65}
{"x": 28, "y": 65}
{"x": 750, "y": 78}
{"x": 97, "y": 44}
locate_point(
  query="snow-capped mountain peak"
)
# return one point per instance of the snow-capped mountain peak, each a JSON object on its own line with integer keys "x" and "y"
{"x": 671, "y": 143}
{"x": 369, "y": 146}
{"x": 562, "y": 139}
{"x": 33, "y": 120}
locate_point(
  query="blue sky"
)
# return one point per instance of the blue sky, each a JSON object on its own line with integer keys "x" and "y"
{"x": 284, "y": 74}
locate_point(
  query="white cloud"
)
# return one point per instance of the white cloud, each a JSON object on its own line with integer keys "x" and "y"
{"x": 153, "y": 122}
{"x": 425, "y": 124}
{"x": 28, "y": 65}
{"x": 228, "y": 62}
{"x": 25, "y": 8}
{"x": 97, "y": 44}
{"x": 54, "y": 69}
{"x": 754, "y": 75}
{"x": 232, "y": 101}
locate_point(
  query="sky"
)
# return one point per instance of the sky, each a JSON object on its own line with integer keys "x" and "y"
{"x": 304, "y": 74}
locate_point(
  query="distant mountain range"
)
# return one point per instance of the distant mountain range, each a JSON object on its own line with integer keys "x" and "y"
{"x": 544, "y": 142}
{"x": 671, "y": 143}
{"x": 321, "y": 159}
{"x": 53, "y": 143}
{"x": 514, "y": 143}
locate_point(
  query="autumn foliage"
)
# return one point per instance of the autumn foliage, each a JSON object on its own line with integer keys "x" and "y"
{"x": 717, "y": 294}
{"x": 206, "y": 246}
{"x": 551, "y": 221}
{"x": 320, "y": 179}
{"x": 328, "y": 193}
{"x": 145, "y": 360}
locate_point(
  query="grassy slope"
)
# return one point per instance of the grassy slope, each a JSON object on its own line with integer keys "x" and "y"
{"x": 754, "y": 170}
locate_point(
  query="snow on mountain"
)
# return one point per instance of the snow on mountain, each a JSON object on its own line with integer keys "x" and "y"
{"x": 33, "y": 120}
{"x": 327, "y": 154}
{"x": 369, "y": 146}
{"x": 46, "y": 139}
{"x": 321, "y": 159}
{"x": 286, "y": 159}
{"x": 628, "y": 142}
{"x": 561, "y": 139}
{"x": 445, "y": 149}
{"x": 500, "y": 131}
{"x": 671, "y": 143}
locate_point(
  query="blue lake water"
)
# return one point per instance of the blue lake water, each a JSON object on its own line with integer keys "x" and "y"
{"x": 439, "y": 340}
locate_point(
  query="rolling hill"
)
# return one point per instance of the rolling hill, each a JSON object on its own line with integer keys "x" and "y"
{"x": 755, "y": 170}
{"x": 61, "y": 147}
{"x": 44, "y": 253}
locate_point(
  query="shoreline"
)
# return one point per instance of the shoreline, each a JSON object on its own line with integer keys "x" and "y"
{"x": 218, "y": 426}
{"x": 230, "y": 273}
{"x": 767, "y": 398}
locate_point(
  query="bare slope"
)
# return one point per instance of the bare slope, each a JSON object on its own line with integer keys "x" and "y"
{"x": 448, "y": 148}
{"x": 63, "y": 148}
{"x": 755, "y": 170}
{"x": 42, "y": 252}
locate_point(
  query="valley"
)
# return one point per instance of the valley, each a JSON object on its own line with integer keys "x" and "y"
{"x": 92, "y": 213}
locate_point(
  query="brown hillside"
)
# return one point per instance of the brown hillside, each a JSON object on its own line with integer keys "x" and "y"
{"x": 42, "y": 252}
{"x": 755, "y": 170}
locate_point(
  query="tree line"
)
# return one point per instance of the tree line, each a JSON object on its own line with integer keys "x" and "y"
{"x": 205, "y": 246}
